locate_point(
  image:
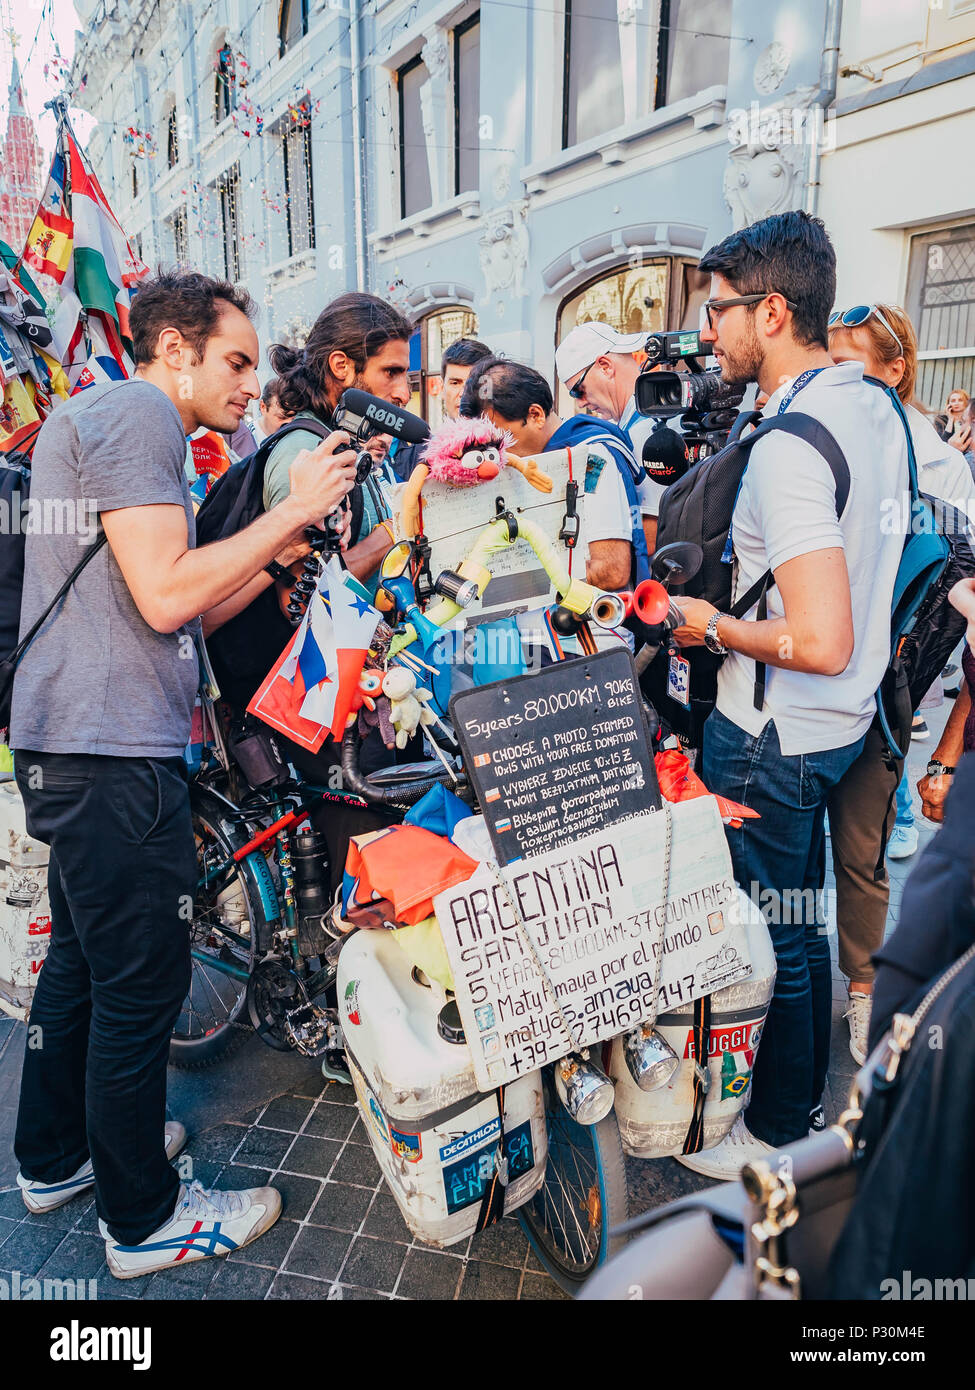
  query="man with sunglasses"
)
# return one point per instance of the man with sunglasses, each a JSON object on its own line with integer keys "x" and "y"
{"x": 597, "y": 366}
{"x": 823, "y": 637}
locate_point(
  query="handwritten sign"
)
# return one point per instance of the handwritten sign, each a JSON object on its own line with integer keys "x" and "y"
{"x": 558, "y": 753}
{"x": 454, "y": 517}
{"x": 598, "y": 920}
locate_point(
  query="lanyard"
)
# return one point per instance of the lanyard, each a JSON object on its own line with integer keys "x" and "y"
{"x": 803, "y": 379}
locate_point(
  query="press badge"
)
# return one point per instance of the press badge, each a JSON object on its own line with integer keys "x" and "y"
{"x": 679, "y": 679}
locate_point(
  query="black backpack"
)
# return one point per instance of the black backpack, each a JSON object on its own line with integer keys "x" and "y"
{"x": 699, "y": 507}
{"x": 245, "y": 648}
{"x": 14, "y": 491}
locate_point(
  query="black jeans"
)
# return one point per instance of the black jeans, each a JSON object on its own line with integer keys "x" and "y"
{"x": 121, "y": 881}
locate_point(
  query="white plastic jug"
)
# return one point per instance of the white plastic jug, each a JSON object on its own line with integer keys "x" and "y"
{"x": 434, "y": 1134}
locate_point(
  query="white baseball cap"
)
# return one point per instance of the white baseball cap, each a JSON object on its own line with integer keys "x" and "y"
{"x": 583, "y": 344}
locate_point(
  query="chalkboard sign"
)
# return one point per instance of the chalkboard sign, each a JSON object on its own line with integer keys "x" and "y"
{"x": 557, "y": 754}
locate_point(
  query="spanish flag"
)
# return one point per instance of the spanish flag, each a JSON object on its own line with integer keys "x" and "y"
{"x": 50, "y": 243}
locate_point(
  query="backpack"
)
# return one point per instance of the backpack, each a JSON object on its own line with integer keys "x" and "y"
{"x": 699, "y": 507}
{"x": 924, "y": 627}
{"x": 14, "y": 491}
{"x": 244, "y": 649}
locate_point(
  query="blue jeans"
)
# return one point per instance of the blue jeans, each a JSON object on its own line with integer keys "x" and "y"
{"x": 905, "y": 803}
{"x": 780, "y": 861}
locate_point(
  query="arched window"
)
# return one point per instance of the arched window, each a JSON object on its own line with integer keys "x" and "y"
{"x": 433, "y": 336}
{"x": 659, "y": 295}
{"x": 172, "y": 139}
{"x": 223, "y": 89}
{"x": 292, "y": 23}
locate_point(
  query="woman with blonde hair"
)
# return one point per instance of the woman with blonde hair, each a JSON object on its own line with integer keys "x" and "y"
{"x": 862, "y": 805}
{"x": 955, "y": 425}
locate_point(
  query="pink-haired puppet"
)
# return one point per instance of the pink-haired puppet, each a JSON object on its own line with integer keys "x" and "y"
{"x": 465, "y": 453}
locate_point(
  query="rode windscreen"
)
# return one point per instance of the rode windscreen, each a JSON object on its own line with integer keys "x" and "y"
{"x": 665, "y": 456}
{"x": 356, "y": 408}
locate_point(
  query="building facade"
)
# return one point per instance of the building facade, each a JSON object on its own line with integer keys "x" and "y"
{"x": 512, "y": 170}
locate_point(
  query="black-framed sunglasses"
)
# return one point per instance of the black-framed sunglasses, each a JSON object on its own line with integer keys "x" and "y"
{"x": 576, "y": 392}
{"x": 853, "y": 318}
{"x": 719, "y": 305}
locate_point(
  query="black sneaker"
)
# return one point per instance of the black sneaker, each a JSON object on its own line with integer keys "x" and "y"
{"x": 817, "y": 1120}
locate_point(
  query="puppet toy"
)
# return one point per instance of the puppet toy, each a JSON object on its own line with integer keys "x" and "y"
{"x": 465, "y": 453}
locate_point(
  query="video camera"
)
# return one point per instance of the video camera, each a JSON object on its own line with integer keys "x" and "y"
{"x": 702, "y": 405}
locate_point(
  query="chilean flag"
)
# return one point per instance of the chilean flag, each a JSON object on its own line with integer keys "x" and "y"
{"x": 308, "y": 693}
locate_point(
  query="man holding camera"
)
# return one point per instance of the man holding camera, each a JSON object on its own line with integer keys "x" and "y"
{"x": 824, "y": 642}
{"x": 102, "y": 705}
{"x": 598, "y": 368}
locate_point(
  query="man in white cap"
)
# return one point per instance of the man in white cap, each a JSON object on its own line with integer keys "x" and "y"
{"x": 597, "y": 366}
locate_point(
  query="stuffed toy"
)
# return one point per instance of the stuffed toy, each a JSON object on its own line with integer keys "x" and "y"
{"x": 465, "y": 453}
{"x": 407, "y": 704}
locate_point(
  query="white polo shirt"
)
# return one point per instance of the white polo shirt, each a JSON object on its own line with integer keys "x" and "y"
{"x": 786, "y": 508}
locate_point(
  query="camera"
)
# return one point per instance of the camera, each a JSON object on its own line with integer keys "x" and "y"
{"x": 705, "y": 407}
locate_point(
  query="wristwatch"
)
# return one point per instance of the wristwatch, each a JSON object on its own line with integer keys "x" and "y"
{"x": 711, "y": 639}
{"x": 936, "y": 769}
{"x": 279, "y": 572}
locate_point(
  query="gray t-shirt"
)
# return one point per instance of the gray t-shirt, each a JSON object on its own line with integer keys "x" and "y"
{"x": 97, "y": 678}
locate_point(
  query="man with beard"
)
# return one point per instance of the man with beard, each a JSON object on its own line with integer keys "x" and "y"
{"x": 824, "y": 639}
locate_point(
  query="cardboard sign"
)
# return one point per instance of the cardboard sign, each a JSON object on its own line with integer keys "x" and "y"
{"x": 597, "y": 918}
{"x": 557, "y": 754}
{"x": 454, "y": 517}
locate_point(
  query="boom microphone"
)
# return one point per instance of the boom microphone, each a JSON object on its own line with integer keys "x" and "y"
{"x": 665, "y": 456}
{"x": 364, "y": 415}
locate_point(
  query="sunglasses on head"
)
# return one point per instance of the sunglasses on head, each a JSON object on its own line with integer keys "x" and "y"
{"x": 853, "y": 318}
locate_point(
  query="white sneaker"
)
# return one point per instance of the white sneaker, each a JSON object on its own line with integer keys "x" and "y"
{"x": 726, "y": 1160}
{"x": 903, "y": 842}
{"x": 45, "y": 1196}
{"x": 859, "y": 1015}
{"x": 205, "y": 1222}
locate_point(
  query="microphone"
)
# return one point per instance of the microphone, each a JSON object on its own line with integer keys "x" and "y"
{"x": 665, "y": 456}
{"x": 364, "y": 415}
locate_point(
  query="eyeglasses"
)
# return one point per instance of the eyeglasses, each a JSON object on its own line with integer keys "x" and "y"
{"x": 577, "y": 392}
{"x": 719, "y": 305}
{"x": 852, "y": 318}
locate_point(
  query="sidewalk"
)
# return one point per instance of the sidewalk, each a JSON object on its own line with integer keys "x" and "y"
{"x": 268, "y": 1117}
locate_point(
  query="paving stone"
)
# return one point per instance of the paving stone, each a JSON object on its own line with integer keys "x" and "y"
{"x": 28, "y": 1247}
{"x": 298, "y": 1194}
{"x": 359, "y": 1135}
{"x": 428, "y": 1275}
{"x": 318, "y": 1251}
{"x": 293, "y": 1286}
{"x": 187, "y": 1283}
{"x": 270, "y": 1248}
{"x": 235, "y": 1177}
{"x": 311, "y": 1156}
{"x": 7, "y": 1227}
{"x": 373, "y": 1264}
{"x": 206, "y": 1171}
{"x": 348, "y": 1294}
{"x": 286, "y": 1112}
{"x": 330, "y": 1122}
{"x": 504, "y": 1243}
{"x": 341, "y": 1206}
{"x": 12, "y": 1205}
{"x": 220, "y": 1142}
{"x": 240, "y": 1281}
{"x": 264, "y": 1148}
{"x": 77, "y": 1257}
{"x": 386, "y": 1220}
{"x": 337, "y": 1094}
{"x": 540, "y": 1286}
{"x": 356, "y": 1165}
{"x": 490, "y": 1281}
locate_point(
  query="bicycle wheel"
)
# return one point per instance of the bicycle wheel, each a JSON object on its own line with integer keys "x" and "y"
{"x": 583, "y": 1196}
{"x": 228, "y": 914}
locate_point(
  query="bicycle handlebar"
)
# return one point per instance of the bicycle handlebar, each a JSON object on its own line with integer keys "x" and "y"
{"x": 406, "y": 793}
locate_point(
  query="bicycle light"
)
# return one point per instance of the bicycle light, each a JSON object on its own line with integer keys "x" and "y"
{"x": 461, "y": 591}
{"x": 585, "y": 1091}
{"x": 649, "y": 1057}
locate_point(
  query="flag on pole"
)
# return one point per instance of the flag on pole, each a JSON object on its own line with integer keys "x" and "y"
{"x": 309, "y": 691}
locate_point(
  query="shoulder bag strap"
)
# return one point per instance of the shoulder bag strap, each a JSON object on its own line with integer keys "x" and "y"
{"x": 25, "y": 642}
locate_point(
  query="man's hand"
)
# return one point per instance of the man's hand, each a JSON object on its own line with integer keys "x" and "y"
{"x": 934, "y": 792}
{"x": 697, "y": 614}
{"x": 320, "y": 478}
{"x": 963, "y": 440}
{"x": 293, "y": 552}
